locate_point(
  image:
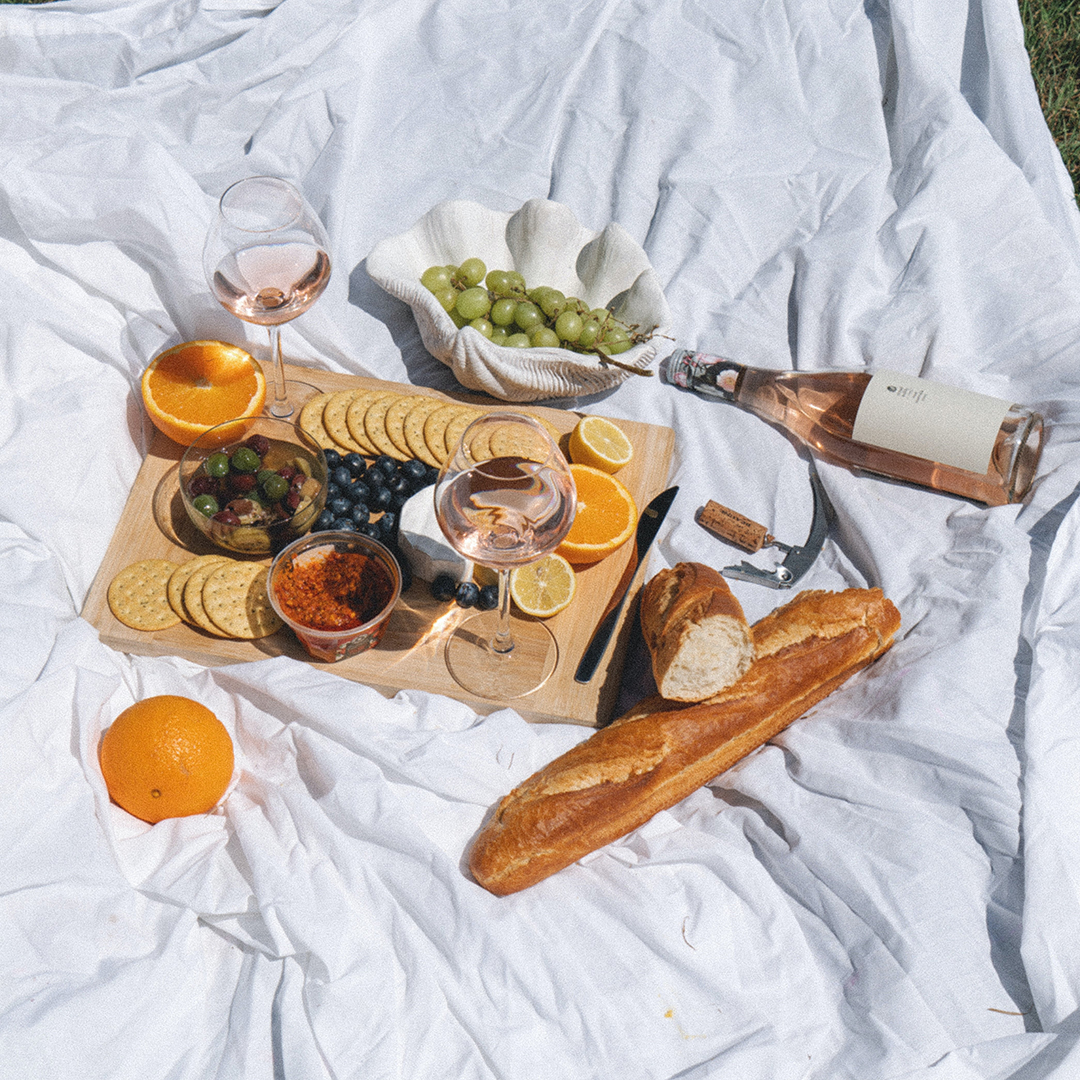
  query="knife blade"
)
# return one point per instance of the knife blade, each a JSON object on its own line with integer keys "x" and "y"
{"x": 649, "y": 522}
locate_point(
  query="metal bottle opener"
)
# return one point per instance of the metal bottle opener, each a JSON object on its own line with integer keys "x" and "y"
{"x": 751, "y": 536}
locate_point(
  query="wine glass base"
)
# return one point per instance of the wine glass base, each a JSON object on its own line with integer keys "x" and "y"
{"x": 475, "y": 666}
{"x": 296, "y": 394}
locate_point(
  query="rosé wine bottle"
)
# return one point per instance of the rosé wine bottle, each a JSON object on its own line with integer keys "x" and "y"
{"x": 900, "y": 426}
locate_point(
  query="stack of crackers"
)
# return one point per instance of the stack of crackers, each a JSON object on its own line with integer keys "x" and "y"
{"x": 402, "y": 426}
{"x": 224, "y": 597}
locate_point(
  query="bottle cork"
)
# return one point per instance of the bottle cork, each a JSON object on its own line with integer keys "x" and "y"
{"x": 733, "y": 527}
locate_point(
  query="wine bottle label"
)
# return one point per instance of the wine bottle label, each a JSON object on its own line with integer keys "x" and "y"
{"x": 712, "y": 376}
{"x": 927, "y": 420}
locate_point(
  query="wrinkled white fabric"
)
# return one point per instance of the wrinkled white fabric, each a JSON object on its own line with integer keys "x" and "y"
{"x": 889, "y": 889}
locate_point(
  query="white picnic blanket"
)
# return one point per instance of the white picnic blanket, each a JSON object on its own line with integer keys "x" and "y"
{"x": 889, "y": 889}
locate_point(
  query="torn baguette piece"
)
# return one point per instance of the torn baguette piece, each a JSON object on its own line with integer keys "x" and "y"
{"x": 696, "y": 632}
{"x": 660, "y": 752}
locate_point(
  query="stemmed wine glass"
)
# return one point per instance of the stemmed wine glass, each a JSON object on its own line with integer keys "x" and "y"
{"x": 505, "y": 498}
{"x": 266, "y": 261}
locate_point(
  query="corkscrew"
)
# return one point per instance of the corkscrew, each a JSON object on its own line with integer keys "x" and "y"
{"x": 749, "y": 535}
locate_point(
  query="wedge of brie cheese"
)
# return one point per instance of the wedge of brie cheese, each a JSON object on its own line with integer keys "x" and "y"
{"x": 422, "y": 542}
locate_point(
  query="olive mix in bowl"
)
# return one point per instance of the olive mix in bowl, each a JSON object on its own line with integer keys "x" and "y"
{"x": 254, "y": 485}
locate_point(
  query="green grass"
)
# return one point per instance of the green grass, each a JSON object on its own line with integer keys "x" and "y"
{"x": 1052, "y": 35}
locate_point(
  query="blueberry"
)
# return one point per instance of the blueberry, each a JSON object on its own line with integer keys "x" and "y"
{"x": 333, "y": 458}
{"x": 356, "y": 465}
{"x": 381, "y": 499}
{"x": 341, "y": 476}
{"x": 358, "y": 492}
{"x": 388, "y": 524}
{"x": 375, "y": 479}
{"x": 444, "y": 587}
{"x": 415, "y": 470}
{"x": 369, "y": 529}
{"x": 489, "y": 598}
{"x": 468, "y": 594}
{"x": 324, "y": 521}
{"x": 360, "y": 514}
{"x": 400, "y": 485}
{"x": 385, "y": 464}
{"x": 344, "y": 523}
{"x": 340, "y": 506}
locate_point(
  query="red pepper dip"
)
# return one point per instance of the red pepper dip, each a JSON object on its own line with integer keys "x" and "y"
{"x": 336, "y": 591}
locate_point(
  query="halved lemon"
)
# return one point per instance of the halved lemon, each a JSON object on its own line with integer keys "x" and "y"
{"x": 600, "y": 443}
{"x": 606, "y": 516}
{"x": 543, "y": 588}
{"x": 192, "y": 387}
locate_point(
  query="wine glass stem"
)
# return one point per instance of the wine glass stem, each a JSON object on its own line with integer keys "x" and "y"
{"x": 502, "y": 642}
{"x": 281, "y": 405}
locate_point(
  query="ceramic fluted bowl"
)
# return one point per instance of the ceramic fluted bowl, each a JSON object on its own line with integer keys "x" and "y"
{"x": 549, "y": 246}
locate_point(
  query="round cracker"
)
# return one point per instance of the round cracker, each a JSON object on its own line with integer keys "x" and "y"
{"x": 375, "y": 427}
{"x": 138, "y": 595}
{"x": 456, "y": 426}
{"x": 311, "y": 420}
{"x": 435, "y": 431}
{"x": 354, "y": 418}
{"x": 193, "y": 602}
{"x": 179, "y": 578}
{"x": 236, "y": 599}
{"x": 333, "y": 417}
{"x": 394, "y": 420}
{"x": 512, "y": 440}
{"x": 413, "y": 428}
{"x": 480, "y": 444}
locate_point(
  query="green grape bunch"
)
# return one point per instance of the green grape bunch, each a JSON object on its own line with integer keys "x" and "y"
{"x": 501, "y": 306}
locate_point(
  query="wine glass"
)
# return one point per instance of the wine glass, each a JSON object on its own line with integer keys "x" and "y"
{"x": 505, "y": 498}
{"x": 266, "y": 261}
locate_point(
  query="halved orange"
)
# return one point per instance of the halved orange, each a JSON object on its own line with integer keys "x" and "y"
{"x": 606, "y": 516}
{"x": 190, "y": 388}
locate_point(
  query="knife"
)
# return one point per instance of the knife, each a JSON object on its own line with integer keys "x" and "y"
{"x": 652, "y": 517}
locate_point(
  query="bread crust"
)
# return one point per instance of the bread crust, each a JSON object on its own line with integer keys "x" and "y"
{"x": 687, "y": 612}
{"x": 657, "y": 754}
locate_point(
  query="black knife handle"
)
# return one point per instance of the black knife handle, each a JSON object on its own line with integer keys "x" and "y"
{"x": 593, "y": 654}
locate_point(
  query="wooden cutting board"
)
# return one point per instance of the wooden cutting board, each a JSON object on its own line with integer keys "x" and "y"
{"x": 154, "y": 524}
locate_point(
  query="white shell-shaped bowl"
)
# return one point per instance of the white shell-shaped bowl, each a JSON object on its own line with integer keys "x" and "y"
{"x": 549, "y": 246}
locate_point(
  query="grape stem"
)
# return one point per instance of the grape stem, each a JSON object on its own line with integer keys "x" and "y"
{"x": 605, "y": 360}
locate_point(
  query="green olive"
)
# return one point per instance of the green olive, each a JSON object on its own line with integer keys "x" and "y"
{"x": 244, "y": 459}
{"x": 207, "y": 505}
{"x": 217, "y": 464}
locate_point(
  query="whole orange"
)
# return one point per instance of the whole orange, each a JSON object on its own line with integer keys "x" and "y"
{"x": 166, "y": 756}
{"x": 192, "y": 387}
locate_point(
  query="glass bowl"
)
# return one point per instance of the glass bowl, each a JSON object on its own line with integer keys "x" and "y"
{"x": 336, "y": 590}
{"x": 261, "y": 499}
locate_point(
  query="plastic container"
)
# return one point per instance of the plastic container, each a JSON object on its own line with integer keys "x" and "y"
{"x": 326, "y": 579}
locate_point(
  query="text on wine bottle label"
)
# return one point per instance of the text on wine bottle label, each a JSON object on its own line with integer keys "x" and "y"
{"x": 928, "y": 420}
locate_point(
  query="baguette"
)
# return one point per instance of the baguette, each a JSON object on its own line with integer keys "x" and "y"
{"x": 696, "y": 632}
{"x": 658, "y": 753}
